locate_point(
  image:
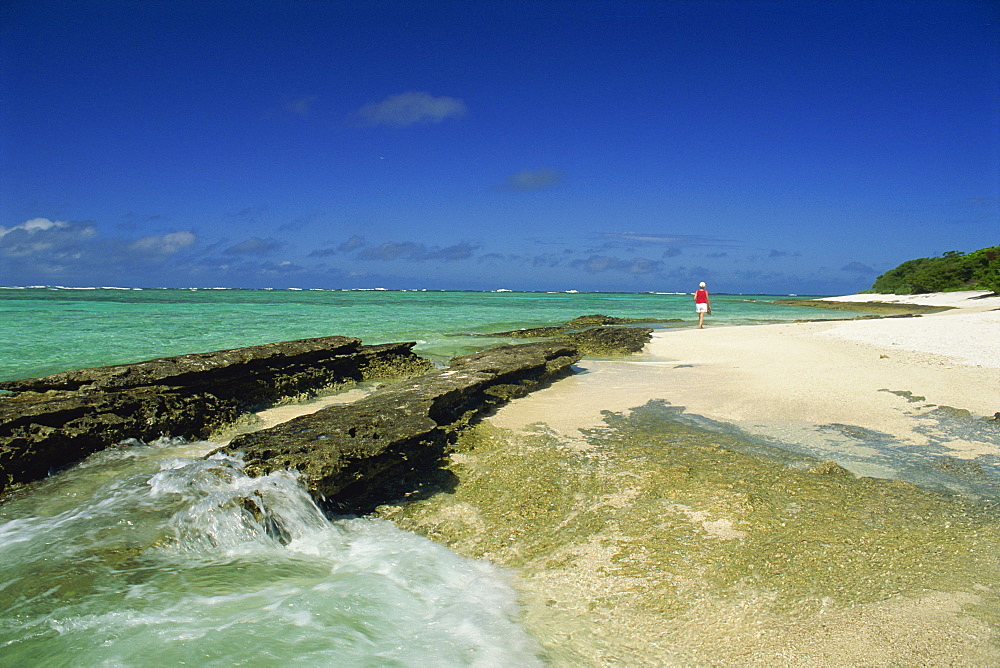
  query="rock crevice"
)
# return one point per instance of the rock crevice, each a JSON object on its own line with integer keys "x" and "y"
{"x": 49, "y": 423}
{"x": 391, "y": 442}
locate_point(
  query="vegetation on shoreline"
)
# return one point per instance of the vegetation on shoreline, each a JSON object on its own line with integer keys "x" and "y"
{"x": 952, "y": 271}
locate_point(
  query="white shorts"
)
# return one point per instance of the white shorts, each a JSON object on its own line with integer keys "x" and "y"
{"x": 701, "y": 308}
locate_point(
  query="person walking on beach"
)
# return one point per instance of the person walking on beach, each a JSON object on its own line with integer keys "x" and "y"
{"x": 701, "y": 304}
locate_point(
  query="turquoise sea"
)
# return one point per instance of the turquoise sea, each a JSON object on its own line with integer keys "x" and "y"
{"x": 45, "y": 330}
{"x": 145, "y": 554}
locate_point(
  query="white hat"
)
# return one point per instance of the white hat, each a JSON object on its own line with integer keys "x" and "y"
{"x": 702, "y": 284}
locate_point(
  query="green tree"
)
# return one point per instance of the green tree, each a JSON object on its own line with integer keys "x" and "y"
{"x": 953, "y": 270}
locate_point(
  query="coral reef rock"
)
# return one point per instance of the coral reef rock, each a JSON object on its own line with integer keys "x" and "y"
{"x": 391, "y": 443}
{"x": 49, "y": 423}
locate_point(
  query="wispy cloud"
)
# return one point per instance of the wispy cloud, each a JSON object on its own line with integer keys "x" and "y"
{"x": 538, "y": 179}
{"x": 596, "y": 264}
{"x": 33, "y": 226}
{"x": 251, "y": 212}
{"x": 300, "y": 106}
{"x": 411, "y": 108}
{"x": 254, "y": 246}
{"x": 675, "y": 240}
{"x": 416, "y": 252}
{"x": 41, "y": 249}
{"x": 395, "y": 250}
{"x": 322, "y": 252}
{"x": 164, "y": 244}
{"x": 41, "y": 235}
{"x": 459, "y": 251}
{"x": 354, "y": 243}
{"x": 285, "y": 267}
{"x": 857, "y": 268}
{"x": 773, "y": 254}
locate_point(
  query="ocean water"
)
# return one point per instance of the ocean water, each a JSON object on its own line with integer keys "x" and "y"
{"x": 45, "y": 330}
{"x": 149, "y": 554}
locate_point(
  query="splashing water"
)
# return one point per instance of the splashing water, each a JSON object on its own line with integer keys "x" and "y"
{"x": 147, "y": 553}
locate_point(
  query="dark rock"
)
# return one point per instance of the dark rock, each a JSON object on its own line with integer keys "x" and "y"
{"x": 533, "y": 332}
{"x": 598, "y": 319}
{"x": 598, "y": 335}
{"x": 49, "y": 423}
{"x": 46, "y": 432}
{"x": 384, "y": 445}
{"x": 274, "y": 361}
{"x": 576, "y": 324}
{"x": 610, "y": 340}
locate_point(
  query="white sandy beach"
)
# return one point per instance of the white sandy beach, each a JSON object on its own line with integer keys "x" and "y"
{"x": 769, "y": 378}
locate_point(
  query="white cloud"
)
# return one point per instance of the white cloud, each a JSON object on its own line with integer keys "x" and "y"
{"x": 43, "y": 235}
{"x": 164, "y": 244}
{"x": 32, "y": 226}
{"x": 410, "y": 109}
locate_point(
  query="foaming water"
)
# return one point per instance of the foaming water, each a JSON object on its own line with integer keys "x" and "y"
{"x": 153, "y": 554}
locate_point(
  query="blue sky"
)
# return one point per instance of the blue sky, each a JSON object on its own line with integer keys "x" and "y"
{"x": 763, "y": 147}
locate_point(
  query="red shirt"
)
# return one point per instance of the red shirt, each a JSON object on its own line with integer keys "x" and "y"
{"x": 701, "y": 297}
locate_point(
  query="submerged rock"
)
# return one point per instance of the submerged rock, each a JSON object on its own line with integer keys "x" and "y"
{"x": 881, "y": 308}
{"x": 577, "y": 324}
{"x": 595, "y": 334}
{"x": 392, "y": 441}
{"x": 610, "y": 340}
{"x": 49, "y": 423}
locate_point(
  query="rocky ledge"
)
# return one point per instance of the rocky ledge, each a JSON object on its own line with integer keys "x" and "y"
{"x": 392, "y": 442}
{"x": 595, "y": 334}
{"x": 351, "y": 457}
{"x": 51, "y": 422}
